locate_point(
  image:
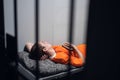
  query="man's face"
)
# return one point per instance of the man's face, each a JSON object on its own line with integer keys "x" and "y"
{"x": 46, "y": 46}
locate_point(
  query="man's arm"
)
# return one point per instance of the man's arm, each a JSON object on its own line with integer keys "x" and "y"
{"x": 79, "y": 53}
{"x": 73, "y": 47}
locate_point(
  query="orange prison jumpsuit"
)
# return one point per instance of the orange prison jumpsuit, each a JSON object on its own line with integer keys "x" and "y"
{"x": 62, "y": 55}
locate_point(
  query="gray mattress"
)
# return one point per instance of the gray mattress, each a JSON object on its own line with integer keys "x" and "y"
{"x": 48, "y": 70}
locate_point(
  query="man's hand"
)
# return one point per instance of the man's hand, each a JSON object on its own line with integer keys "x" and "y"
{"x": 68, "y": 46}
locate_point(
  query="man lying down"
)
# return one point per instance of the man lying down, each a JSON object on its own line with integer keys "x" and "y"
{"x": 64, "y": 54}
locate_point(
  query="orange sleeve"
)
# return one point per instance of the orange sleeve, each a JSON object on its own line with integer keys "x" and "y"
{"x": 76, "y": 61}
{"x": 82, "y": 48}
{"x": 61, "y": 57}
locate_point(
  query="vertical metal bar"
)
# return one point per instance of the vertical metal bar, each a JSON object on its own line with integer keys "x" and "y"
{"x": 15, "y": 25}
{"x": 71, "y": 21}
{"x": 71, "y": 29}
{"x": 16, "y": 35}
{"x": 36, "y": 20}
{"x": 15, "y": 17}
{"x": 15, "y": 22}
{"x": 37, "y": 33}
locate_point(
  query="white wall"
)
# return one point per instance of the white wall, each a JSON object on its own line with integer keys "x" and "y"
{"x": 54, "y": 16}
{"x": 54, "y": 20}
{"x": 25, "y": 22}
{"x": 80, "y": 22}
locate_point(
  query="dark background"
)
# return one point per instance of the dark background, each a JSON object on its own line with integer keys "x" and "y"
{"x": 103, "y": 54}
{"x": 2, "y": 49}
{"x": 103, "y": 62}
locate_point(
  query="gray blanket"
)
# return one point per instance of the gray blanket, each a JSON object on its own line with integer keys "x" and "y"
{"x": 46, "y": 67}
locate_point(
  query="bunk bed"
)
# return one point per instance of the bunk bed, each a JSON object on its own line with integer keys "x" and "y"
{"x": 48, "y": 70}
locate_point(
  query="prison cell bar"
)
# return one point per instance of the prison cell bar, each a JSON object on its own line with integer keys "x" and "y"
{"x": 37, "y": 33}
{"x": 16, "y": 35}
{"x": 71, "y": 29}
